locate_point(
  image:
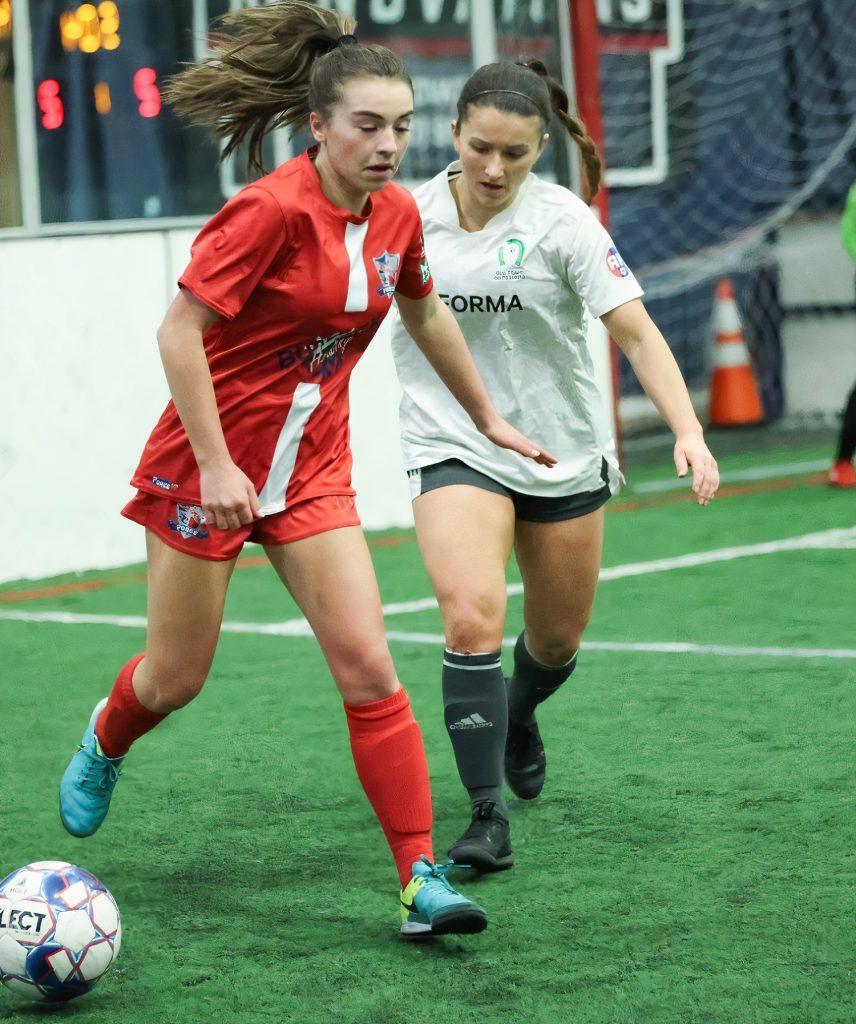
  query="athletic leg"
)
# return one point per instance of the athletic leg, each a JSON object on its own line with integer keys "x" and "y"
{"x": 332, "y": 579}
{"x": 185, "y": 608}
{"x": 560, "y": 563}
{"x": 842, "y": 473}
{"x": 465, "y": 535}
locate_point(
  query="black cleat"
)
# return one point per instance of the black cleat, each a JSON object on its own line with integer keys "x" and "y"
{"x": 486, "y": 845}
{"x": 525, "y": 760}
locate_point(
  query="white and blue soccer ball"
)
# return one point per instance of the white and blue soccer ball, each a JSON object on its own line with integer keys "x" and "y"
{"x": 59, "y": 931}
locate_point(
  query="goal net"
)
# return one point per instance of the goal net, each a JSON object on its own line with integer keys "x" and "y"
{"x": 730, "y": 138}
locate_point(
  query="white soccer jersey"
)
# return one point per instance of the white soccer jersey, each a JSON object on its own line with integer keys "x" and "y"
{"x": 519, "y": 289}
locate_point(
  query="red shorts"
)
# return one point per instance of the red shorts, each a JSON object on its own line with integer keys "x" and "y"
{"x": 182, "y": 526}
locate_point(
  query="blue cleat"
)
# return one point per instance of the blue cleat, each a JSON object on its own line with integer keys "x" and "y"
{"x": 88, "y": 783}
{"x": 429, "y": 904}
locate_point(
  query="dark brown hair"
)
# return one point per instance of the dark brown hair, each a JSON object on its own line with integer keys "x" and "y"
{"x": 525, "y": 87}
{"x": 274, "y": 66}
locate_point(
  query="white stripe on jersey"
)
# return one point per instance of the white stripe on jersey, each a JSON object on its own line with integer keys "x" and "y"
{"x": 272, "y": 495}
{"x": 358, "y": 285}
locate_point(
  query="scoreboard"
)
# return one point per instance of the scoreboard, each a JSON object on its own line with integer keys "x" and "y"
{"x": 108, "y": 148}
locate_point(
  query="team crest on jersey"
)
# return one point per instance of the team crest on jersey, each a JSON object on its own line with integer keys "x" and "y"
{"x": 617, "y": 266}
{"x": 511, "y": 252}
{"x": 510, "y": 257}
{"x": 387, "y": 265}
{"x": 189, "y": 521}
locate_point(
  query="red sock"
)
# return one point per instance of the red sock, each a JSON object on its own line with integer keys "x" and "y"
{"x": 390, "y": 761}
{"x": 124, "y": 719}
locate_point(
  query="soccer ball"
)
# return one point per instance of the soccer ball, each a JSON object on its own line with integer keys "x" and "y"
{"x": 59, "y": 931}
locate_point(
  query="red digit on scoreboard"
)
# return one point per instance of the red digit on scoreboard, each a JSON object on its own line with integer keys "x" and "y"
{"x": 50, "y": 104}
{"x": 147, "y": 92}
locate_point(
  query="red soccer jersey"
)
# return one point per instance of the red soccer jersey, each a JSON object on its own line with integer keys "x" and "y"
{"x": 301, "y": 287}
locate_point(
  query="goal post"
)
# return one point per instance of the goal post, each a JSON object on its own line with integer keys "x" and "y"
{"x": 585, "y": 67}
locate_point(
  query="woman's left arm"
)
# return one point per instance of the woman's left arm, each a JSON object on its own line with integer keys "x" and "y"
{"x": 640, "y": 340}
{"x": 435, "y": 330}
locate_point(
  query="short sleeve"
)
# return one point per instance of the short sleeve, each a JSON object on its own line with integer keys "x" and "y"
{"x": 232, "y": 252}
{"x": 415, "y": 281}
{"x": 596, "y": 271}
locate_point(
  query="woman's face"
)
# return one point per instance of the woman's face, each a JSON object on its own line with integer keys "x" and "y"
{"x": 497, "y": 151}
{"x": 366, "y": 135}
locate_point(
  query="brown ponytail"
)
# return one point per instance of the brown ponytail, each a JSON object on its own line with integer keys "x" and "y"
{"x": 526, "y": 88}
{"x": 573, "y": 124}
{"x": 274, "y": 66}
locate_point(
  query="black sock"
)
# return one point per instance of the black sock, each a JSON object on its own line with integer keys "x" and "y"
{"x": 476, "y": 714}
{"x": 533, "y": 682}
{"x": 847, "y": 437}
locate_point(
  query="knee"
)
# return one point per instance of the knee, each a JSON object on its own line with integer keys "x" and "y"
{"x": 365, "y": 674}
{"x": 473, "y": 624}
{"x": 554, "y": 648}
{"x": 167, "y": 687}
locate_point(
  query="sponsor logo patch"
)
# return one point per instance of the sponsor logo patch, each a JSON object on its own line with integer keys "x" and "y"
{"x": 324, "y": 356}
{"x": 617, "y": 266}
{"x": 165, "y": 485}
{"x": 482, "y": 303}
{"x": 473, "y": 721}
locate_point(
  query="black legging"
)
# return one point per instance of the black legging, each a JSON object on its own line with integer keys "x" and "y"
{"x": 847, "y": 439}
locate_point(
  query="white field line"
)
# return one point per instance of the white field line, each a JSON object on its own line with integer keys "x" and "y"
{"x": 735, "y": 476}
{"x": 835, "y": 539}
{"x": 722, "y": 650}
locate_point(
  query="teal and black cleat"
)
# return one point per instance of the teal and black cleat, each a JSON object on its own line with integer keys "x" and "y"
{"x": 430, "y": 906}
{"x": 88, "y": 783}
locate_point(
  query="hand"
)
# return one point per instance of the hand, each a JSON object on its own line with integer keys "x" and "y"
{"x": 506, "y": 436}
{"x": 229, "y": 499}
{"x": 690, "y": 450}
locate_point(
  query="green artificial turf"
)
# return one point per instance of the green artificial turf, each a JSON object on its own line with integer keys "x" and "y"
{"x": 690, "y": 860}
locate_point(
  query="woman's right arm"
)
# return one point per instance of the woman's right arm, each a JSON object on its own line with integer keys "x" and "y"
{"x": 228, "y": 497}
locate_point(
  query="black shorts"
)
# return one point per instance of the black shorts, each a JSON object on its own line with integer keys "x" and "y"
{"x": 530, "y": 508}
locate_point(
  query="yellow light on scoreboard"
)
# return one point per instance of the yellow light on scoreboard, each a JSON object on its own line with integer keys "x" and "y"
{"x": 103, "y": 102}
{"x": 89, "y": 28}
{"x": 5, "y": 17}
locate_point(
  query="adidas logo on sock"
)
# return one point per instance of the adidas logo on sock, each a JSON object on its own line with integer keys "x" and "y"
{"x": 473, "y": 721}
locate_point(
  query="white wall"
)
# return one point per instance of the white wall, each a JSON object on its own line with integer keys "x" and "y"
{"x": 81, "y": 387}
{"x": 819, "y": 351}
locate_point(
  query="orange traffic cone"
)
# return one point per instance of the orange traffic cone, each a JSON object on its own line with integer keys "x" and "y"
{"x": 734, "y": 397}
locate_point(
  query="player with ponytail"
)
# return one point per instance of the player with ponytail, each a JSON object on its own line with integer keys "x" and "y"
{"x": 285, "y": 288}
{"x": 520, "y": 260}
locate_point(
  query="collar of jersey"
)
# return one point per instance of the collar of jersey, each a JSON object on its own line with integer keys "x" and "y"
{"x": 449, "y": 211}
{"x": 307, "y": 160}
